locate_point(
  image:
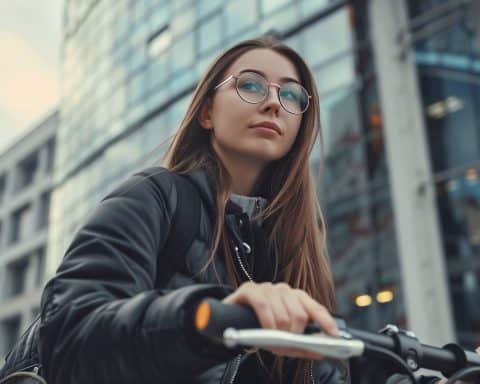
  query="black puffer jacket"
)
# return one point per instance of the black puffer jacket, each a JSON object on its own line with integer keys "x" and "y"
{"x": 110, "y": 314}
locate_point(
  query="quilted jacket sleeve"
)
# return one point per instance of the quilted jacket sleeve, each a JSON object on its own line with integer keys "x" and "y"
{"x": 102, "y": 319}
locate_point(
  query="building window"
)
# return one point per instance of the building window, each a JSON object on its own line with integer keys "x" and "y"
{"x": 40, "y": 272}
{"x": 17, "y": 274}
{"x": 205, "y": 7}
{"x": 21, "y": 224}
{"x": 3, "y": 186}
{"x": 183, "y": 53}
{"x": 44, "y": 210}
{"x": 159, "y": 41}
{"x": 27, "y": 170}
{"x": 239, "y": 16}
{"x": 210, "y": 34}
{"x": 11, "y": 331}
{"x": 50, "y": 155}
{"x": 269, "y": 6}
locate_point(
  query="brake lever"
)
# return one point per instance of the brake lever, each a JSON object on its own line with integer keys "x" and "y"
{"x": 320, "y": 343}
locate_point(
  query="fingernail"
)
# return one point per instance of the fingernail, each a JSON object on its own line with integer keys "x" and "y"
{"x": 335, "y": 331}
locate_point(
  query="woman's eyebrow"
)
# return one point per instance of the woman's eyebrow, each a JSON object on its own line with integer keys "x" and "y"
{"x": 283, "y": 79}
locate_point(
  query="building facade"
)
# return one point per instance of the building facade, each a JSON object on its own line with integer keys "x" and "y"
{"x": 26, "y": 183}
{"x": 397, "y": 172}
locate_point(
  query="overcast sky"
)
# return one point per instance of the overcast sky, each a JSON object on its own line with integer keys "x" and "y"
{"x": 30, "y": 36}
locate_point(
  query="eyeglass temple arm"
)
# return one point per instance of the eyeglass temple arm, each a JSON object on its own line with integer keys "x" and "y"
{"x": 223, "y": 82}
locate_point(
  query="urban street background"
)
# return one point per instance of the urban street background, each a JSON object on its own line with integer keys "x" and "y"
{"x": 92, "y": 90}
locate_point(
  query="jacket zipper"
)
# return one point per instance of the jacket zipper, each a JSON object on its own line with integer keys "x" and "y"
{"x": 239, "y": 357}
{"x": 311, "y": 373}
{"x": 236, "y": 367}
{"x": 242, "y": 266}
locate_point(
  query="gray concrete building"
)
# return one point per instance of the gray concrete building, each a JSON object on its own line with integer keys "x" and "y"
{"x": 26, "y": 182}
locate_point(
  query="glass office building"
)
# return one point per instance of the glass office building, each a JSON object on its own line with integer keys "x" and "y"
{"x": 129, "y": 70}
{"x": 448, "y": 60}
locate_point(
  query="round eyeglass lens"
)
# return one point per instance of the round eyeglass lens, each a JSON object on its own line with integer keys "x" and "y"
{"x": 294, "y": 97}
{"x": 251, "y": 87}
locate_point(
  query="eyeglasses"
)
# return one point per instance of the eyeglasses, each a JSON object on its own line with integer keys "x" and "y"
{"x": 253, "y": 88}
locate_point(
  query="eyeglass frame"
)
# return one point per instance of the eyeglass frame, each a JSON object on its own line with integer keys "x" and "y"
{"x": 269, "y": 84}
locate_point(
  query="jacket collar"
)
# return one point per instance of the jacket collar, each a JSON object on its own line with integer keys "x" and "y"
{"x": 205, "y": 183}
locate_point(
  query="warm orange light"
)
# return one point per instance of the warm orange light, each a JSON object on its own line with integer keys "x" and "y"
{"x": 363, "y": 300}
{"x": 385, "y": 296}
{"x": 471, "y": 174}
{"x": 202, "y": 316}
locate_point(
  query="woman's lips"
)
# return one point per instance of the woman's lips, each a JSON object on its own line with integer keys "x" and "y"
{"x": 263, "y": 129}
{"x": 267, "y": 126}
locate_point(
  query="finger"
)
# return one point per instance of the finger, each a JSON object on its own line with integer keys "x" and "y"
{"x": 296, "y": 312}
{"x": 318, "y": 313}
{"x": 280, "y": 312}
{"x": 250, "y": 295}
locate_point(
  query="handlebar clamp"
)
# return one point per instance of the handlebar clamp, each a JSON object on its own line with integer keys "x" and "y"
{"x": 407, "y": 345}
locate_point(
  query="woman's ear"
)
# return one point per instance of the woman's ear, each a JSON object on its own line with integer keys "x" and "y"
{"x": 205, "y": 115}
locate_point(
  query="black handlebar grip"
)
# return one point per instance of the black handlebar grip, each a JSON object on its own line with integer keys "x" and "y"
{"x": 212, "y": 317}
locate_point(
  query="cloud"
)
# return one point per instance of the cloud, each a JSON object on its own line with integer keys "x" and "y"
{"x": 28, "y": 85}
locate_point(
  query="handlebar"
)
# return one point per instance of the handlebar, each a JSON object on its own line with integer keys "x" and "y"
{"x": 235, "y": 325}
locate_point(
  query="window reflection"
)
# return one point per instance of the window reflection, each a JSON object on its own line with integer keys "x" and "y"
{"x": 332, "y": 37}
{"x": 354, "y": 188}
{"x": 205, "y": 7}
{"x": 210, "y": 34}
{"x": 239, "y": 14}
{"x": 271, "y": 5}
{"x": 183, "y": 53}
{"x": 448, "y": 62}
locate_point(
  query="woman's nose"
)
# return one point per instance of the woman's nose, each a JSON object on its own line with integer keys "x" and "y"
{"x": 272, "y": 100}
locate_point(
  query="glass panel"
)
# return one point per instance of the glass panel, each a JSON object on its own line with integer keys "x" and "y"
{"x": 269, "y": 6}
{"x": 337, "y": 74}
{"x": 210, "y": 34}
{"x": 156, "y": 136}
{"x": 353, "y": 185}
{"x": 182, "y": 22}
{"x": 459, "y": 211}
{"x": 332, "y": 37}
{"x": 204, "y": 7}
{"x": 137, "y": 87}
{"x": 183, "y": 53}
{"x": 307, "y": 7}
{"x": 448, "y": 67}
{"x": 240, "y": 14}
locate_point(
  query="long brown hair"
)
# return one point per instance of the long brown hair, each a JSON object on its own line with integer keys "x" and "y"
{"x": 297, "y": 232}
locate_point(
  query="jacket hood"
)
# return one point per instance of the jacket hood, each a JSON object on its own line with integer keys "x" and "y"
{"x": 206, "y": 185}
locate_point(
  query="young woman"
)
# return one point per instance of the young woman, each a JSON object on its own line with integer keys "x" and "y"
{"x": 114, "y": 311}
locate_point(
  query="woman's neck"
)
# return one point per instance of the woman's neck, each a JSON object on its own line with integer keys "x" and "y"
{"x": 244, "y": 172}
{"x": 243, "y": 179}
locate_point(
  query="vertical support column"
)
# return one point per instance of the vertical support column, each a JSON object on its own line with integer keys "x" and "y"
{"x": 416, "y": 219}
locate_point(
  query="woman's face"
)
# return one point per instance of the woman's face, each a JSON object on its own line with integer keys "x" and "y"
{"x": 236, "y": 125}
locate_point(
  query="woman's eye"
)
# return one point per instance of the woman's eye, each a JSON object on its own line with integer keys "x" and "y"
{"x": 290, "y": 95}
{"x": 251, "y": 86}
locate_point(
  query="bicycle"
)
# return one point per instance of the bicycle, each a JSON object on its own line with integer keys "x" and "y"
{"x": 381, "y": 354}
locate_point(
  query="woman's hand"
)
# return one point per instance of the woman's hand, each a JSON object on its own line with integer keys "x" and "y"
{"x": 278, "y": 306}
